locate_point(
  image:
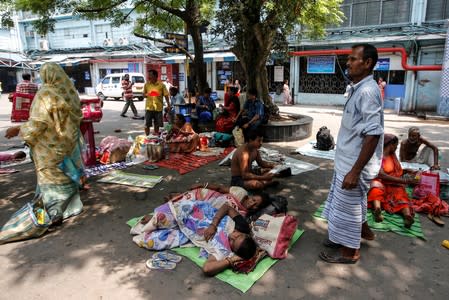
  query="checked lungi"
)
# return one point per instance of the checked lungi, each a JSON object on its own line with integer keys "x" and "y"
{"x": 345, "y": 211}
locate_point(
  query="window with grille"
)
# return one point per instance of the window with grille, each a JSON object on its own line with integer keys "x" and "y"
{"x": 375, "y": 12}
{"x": 437, "y": 10}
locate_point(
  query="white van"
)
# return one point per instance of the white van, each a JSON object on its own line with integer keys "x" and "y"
{"x": 111, "y": 86}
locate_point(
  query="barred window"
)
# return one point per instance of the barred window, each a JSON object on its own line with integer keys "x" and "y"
{"x": 324, "y": 83}
{"x": 437, "y": 10}
{"x": 375, "y": 12}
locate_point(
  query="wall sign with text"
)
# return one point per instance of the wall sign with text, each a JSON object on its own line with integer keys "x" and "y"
{"x": 383, "y": 64}
{"x": 321, "y": 64}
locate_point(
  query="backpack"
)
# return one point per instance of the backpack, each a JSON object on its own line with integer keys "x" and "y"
{"x": 278, "y": 205}
{"x": 324, "y": 139}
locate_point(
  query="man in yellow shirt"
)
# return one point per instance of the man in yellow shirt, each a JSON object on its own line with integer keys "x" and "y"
{"x": 155, "y": 91}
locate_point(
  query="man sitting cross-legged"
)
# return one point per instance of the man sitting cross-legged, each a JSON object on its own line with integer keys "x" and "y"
{"x": 241, "y": 166}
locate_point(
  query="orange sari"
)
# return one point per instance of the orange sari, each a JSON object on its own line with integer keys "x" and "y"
{"x": 392, "y": 196}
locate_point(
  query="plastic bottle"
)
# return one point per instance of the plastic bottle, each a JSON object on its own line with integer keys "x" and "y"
{"x": 166, "y": 151}
{"x": 445, "y": 244}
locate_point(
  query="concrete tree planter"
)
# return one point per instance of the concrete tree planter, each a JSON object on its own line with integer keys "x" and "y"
{"x": 291, "y": 127}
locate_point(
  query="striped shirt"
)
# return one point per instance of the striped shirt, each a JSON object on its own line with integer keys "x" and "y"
{"x": 26, "y": 87}
{"x": 127, "y": 87}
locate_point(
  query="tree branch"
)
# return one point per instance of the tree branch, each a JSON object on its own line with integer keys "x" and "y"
{"x": 179, "y": 13}
{"x": 100, "y": 9}
{"x": 182, "y": 49}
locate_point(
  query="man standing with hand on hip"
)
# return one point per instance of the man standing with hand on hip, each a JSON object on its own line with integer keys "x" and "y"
{"x": 357, "y": 160}
{"x": 155, "y": 92}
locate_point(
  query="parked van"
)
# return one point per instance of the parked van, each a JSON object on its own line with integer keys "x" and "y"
{"x": 111, "y": 86}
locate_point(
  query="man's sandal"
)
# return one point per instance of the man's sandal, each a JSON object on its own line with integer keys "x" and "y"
{"x": 337, "y": 259}
{"x": 329, "y": 244}
{"x": 167, "y": 256}
{"x": 157, "y": 264}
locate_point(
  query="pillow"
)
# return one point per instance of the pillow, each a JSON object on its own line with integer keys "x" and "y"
{"x": 273, "y": 234}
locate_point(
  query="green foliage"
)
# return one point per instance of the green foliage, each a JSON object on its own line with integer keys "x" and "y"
{"x": 279, "y": 18}
{"x": 5, "y": 14}
{"x": 153, "y": 15}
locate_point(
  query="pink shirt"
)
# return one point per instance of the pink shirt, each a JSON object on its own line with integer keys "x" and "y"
{"x": 6, "y": 156}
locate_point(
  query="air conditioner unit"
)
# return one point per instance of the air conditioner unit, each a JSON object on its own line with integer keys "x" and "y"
{"x": 123, "y": 41}
{"x": 108, "y": 42}
{"x": 43, "y": 45}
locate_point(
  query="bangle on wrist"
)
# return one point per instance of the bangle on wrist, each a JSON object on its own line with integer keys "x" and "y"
{"x": 205, "y": 186}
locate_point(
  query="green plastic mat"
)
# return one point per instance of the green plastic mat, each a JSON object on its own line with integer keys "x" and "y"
{"x": 242, "y": 282}
{"x": 391, "y": 222}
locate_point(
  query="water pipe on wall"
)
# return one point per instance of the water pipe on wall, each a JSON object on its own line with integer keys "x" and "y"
{"x": 401, "y": 50}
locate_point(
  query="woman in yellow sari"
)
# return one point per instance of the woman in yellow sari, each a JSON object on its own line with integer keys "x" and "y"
{"x": 52, "y": 133}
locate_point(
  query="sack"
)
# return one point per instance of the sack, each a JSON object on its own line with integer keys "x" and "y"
{"x": 428, "y": 184}
{"x": 223, "y": 140}
{"x": 239, "y": 139}
{"x": 273, "y": 234}
{"x": 30, "y": 221}
{"x": 324, "y": 139}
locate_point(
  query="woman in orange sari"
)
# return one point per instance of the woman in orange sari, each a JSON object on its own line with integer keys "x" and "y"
{"x": 182, "y": 137}
{"x": 387, "y": 190}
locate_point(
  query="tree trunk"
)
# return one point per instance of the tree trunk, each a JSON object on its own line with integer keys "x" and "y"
{"x": 253, "y": 57}
{"x": 199, "y": 65}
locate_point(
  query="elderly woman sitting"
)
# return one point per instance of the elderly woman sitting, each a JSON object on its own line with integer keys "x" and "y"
{"x": 388, "y": 189}
{"x": 181, "y": 137}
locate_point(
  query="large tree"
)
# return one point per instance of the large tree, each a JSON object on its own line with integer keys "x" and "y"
{"x": 255, "y": 28}
{"x": 154, "y": 16}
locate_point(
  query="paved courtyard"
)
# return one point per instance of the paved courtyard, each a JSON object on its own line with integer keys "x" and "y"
{"x": 92, "y": 255}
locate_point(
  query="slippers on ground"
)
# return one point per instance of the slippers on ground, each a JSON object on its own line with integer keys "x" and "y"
{"x": 329, "y": 244}
{"x": 436, "y": 219}
{"x": 157, "y": 264}
{"x": 337, "y": 259}
{"x": 167, "y": 256}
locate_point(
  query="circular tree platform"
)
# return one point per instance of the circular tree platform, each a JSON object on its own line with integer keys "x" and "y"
{"x": 288, "y": 127}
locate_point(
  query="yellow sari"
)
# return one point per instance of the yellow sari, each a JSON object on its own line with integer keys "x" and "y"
{"x": 52, "y": 133}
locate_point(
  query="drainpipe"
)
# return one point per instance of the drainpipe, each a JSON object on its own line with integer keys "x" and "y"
{"x": 401, "y": 50}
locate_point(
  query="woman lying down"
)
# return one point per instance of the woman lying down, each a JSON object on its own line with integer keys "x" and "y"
{"x": 223, "y": 234}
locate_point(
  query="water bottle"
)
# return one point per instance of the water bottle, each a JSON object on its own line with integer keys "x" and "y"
{"x": 166, "y": 151}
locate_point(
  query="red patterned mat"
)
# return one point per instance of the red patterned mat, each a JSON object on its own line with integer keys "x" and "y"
{"x": 185, "y": 163}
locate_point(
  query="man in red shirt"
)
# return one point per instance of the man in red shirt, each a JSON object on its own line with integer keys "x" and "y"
{"x": 127, "y": 87}
{"x": 26, "y": 86}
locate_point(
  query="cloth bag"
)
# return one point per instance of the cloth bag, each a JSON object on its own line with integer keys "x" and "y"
{"x": 30, "y": 221}
{"x": 428, "y": 184}
{"x": 239, "y": 139}
{"x": 273, "y": 234}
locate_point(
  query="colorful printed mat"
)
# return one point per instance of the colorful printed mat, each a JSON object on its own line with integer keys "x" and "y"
{"x": 391, "y": 222}
{"x": 120, "y": 177}
{"x": 242, "y": 282}
{"x": 185, "y": 163}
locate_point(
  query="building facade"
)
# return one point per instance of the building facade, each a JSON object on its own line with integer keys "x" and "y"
{"x": 417, "y": 26}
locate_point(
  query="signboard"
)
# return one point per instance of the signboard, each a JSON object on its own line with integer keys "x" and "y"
{"x": 321, "y": 64}
{"x": 179, "y": 39}
{"x": 383, "y": 64}
{"x": 278, "y": 73}
{"x": 181, "y": 76}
